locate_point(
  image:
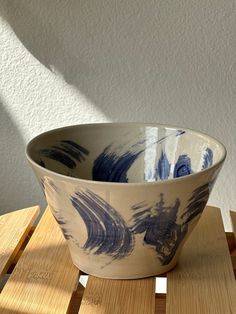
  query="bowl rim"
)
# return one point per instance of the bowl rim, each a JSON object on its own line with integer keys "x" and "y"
{"x": 115, "y": 124}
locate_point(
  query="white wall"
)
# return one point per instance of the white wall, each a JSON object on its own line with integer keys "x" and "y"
{"x": 68, "y": 62}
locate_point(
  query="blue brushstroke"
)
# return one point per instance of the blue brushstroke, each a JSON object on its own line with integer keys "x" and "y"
{"x": 197, "y": 202}
{"x": 41, "y": 163}
{"x": 207, "y": 158}
{"x": 163, "y": 167}
{"x": 67, "y": 152}
{"x": 54, "y": 154}
{"x": 74, "y": 149}
{"x": 159, "y": 223}
{"x": 41, "y": 182}
{"x": 182, "y": 166}
{"x": 108, "y": 233}
{"x": 106, "y": 229}
{"x": 113, "y": 166}
{"x": 63, "y": 226}
{"x": 160, "y": 228}
{"x": 49, "y": 187}
{"x": 179, "y": 132}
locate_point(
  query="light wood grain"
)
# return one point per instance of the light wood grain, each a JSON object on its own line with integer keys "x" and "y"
{"x": 14, "y": 228}
{"x": 203, "y": 281}
{"x": 44, "y": 277}
{"x": 104, "y": 296}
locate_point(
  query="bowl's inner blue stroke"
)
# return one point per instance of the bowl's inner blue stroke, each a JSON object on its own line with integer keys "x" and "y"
{"x": 113, "y": 163}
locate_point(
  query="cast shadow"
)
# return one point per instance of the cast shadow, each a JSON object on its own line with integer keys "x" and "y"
{"x": 18, "y": 186}
{"x": 88, "y": 44}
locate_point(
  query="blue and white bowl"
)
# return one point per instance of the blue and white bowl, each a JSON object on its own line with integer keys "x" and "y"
{"x": 126, "y": 196}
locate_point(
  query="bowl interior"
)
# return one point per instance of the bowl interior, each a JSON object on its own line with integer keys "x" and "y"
{"x": 125, "y": 152}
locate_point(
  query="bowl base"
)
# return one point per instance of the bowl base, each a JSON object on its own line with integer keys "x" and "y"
{"x": 138, "y": 276}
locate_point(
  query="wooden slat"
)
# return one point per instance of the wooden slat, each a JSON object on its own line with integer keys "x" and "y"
{"x": 203, "y": 281}
{"x": 14, "y": 228}
{"x": 44, "y": 277}
{"x": 233, "y": 254}
{"x": 104, "y": 296}
{"x": 233, "y": 219}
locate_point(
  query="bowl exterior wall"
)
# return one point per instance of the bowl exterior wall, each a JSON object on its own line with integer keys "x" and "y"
{"x": 126, "y": 230}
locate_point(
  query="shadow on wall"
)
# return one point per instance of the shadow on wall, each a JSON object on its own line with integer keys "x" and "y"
{"x": 99, "y": 47}
{"x": 16, "y": 175}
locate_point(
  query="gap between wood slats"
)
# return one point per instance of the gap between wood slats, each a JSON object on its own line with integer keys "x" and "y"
{"x": 14, "y": 229}
{"x": 11, "y": 267}
{"x": 233, "y": 220}
{"x": 233, "y": 253}
{"x": 21, "y": 249}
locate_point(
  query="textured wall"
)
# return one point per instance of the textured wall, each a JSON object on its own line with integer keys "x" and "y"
{"x": 67, "y": 62}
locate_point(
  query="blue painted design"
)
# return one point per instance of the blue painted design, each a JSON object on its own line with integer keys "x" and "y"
{"x": 207, "y": 158}
{"x": 41, "y": 163}
{"x": 160, "y": 227}
{"x": 62, "y": 223}
{"x": 182, "y": 166}
{"x": 48, "y": 186}
{"x": 58, "y": 156}
{"x": 179, "y": 132}
{"x": 163, "y": 167}
{"x": 106, "y": 229}
{"x": 108, "y": 233}
{"x": 73, "y": 149}
{"x": 113, "y": 166}
{"x": 42, "y": 185}
{"x": 67, "y": 153}
{"x": 197, "y": 202}
{"x": 162, "y": 230}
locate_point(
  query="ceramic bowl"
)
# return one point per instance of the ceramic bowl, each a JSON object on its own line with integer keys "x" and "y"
{"x": 126, "y": 196}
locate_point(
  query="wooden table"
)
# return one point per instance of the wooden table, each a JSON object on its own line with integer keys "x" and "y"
{"x": 40, "y": 277}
